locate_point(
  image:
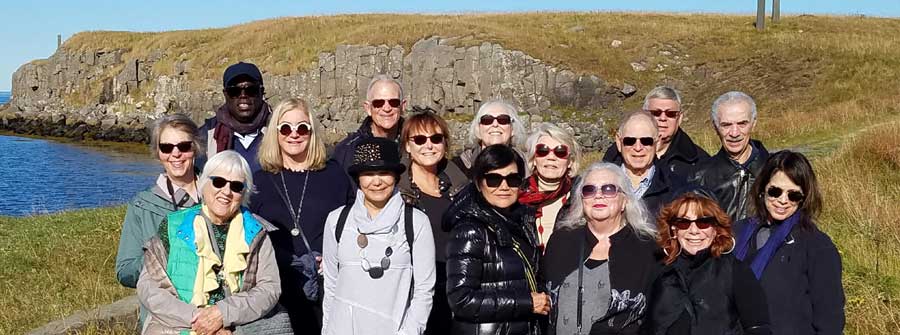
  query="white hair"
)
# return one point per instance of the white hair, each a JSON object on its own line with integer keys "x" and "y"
{"x": 518, "y": 129}
{"x": 636, "y": 214}
{"x": 559, "y": 134}
{"x": 380, "y": 78}
{"x": 662, "y": 92}
{"x": 729, "y": 98}
{"x": 228, "y": 161}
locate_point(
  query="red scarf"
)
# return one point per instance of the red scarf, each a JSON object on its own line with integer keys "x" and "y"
{"x": 534, "y": 197}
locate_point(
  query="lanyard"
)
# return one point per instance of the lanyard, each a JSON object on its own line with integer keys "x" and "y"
{"x": 176, "y": 204}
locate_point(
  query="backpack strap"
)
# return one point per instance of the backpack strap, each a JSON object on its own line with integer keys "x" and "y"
{"x": 342, "y": 220}
{"x": 408, "y": 226}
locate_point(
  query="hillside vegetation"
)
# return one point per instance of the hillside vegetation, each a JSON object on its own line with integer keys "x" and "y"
{"x": 824, "y": 85}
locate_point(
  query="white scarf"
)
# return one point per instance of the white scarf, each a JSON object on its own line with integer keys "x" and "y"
{"x": 384, "y": 221}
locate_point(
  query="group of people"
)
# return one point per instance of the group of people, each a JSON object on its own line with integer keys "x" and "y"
{"x": 254, "y": 227}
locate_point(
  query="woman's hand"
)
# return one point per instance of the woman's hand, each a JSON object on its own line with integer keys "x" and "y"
{"x": 319, "y": 264}
{"x": 541, "y": 303}
{"x": 207, "y": 321}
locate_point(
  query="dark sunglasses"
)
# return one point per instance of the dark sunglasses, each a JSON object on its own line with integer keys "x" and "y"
{"x": 494, "y": 179}
{"x": 377, "y": 103}
{"x": 301, "y": 128}
{"x": 685, "y": 223}
{"x": 542, "y": 150}
{"x": 420, "y": 139}
{"x": 629, "y": 141}
{"x": 487, "y": 120}
{"x": 669, "y": 114}
{"x": 793, "y": 195}
{"x": 606, "y": 190}
{"x": 186, "y": 146}
{"x": 250, "y": 91}
{"x": 219, "y": 182}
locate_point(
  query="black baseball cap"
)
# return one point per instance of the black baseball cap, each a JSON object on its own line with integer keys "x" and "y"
{"x": 241, "y": 69}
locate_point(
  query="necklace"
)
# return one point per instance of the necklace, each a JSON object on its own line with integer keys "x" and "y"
{"x": 176, "y": 204}
{"x": 295, "y": 215}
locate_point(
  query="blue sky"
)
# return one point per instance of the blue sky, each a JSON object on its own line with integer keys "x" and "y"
{"x": 29, "y": 28}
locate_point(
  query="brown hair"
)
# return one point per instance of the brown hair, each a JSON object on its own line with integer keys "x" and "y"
{"x": 425, "y": 120}
{"x": 722, "y": 243}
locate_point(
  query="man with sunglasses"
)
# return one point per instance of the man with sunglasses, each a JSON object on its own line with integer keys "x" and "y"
{"x": 676, "y": 152}
{"x": 239, "y": 123}
{"x": 636, "y": 140}
{"x": 384, "y": 107}
{"x": 731, "y": 172}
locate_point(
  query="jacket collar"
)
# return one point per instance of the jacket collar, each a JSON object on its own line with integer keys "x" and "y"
{"x": 683, "y": 147}
{"x": 365, "y": 128}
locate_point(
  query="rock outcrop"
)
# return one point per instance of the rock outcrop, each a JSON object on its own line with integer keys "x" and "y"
{"x": 107, "y": 95}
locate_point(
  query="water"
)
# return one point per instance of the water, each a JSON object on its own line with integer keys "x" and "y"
{"x": 4, "y": 97}
{"x": 40, "y": 176}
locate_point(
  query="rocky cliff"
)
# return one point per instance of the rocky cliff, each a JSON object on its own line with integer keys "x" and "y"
{"x": 109, "y": 95}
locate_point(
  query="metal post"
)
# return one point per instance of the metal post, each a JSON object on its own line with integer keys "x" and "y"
{"x": 58, "y": 40}
{"x": 760, "y": 15}
{"x": 776, "y": 11}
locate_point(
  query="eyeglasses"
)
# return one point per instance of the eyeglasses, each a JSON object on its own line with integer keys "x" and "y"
{"x": 503, "y": 119}
{"x": 420, "y": 139}
{"x": 542, "y": 150}
{"x": 494, "y": 179}
{"x": 669, "y": 114}
{"x": 685, "y": 223}
{"x": 606, "y": 190}
{"x": 250, "y": 91}
{"x": 377, "y": 103}
{"x": 302, "y": 128}
{"x": 219, "y": 182}
{"x": 186, "y": 146}
{"x": 645, "y": 141}
{"x": 793, "y": 195}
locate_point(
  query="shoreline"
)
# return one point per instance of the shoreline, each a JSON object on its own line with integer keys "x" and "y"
{"x": 124, "y": 147}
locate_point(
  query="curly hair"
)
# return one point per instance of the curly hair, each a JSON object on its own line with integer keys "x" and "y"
{"x": 723, "y": 243}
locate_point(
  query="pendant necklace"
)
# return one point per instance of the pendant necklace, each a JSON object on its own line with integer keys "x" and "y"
{"x": 295, "y": 215}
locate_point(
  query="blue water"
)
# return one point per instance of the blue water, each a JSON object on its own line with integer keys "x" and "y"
{"x": 40, "y": 176}
{"x": 4, "y": 97}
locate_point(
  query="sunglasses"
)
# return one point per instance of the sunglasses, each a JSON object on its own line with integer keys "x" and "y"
{"x": 793, "y": 195}
{"x": 378, "y": 103}
{"x": 186, "y": 146}
{"x": 542, "y": 150}
{"x": 629, "y": 141}
{"x": 302, "y": 128}
{"x": 669, "y": 114}
{"x": 250, "y": 91}
{"x": 495, "y": 179}
{"x": 219, "y": 182}
{"x": 421, "y": 139}
{"x": 487, "y": 120}
{"x": 606, "y": 190}
{"x": 685, "y": 223}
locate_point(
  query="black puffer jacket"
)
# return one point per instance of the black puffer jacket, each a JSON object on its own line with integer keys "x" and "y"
{"x": 730, "y": 181}
{"x": 487, "y": 287}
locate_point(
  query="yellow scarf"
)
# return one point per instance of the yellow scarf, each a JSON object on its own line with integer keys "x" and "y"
{"x": 236, "y": 250}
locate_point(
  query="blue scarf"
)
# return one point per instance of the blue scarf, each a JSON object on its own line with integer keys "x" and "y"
{"x": 775, "y": 241}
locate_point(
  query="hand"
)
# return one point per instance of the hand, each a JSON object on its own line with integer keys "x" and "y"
{"x": 541, "y": 302}
{"x": 319, "y": 264}
{"x": 223, "y": 331}
{"x": 207, "y": 321}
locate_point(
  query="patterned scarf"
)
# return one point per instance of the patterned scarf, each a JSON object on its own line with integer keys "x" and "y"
{"x": 534, "y": 197}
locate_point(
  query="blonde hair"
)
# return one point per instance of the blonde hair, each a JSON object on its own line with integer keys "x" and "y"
{"x": 270, "y": 151}
{"x": 555, "y": 132}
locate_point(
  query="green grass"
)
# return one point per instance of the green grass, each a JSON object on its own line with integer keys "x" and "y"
{"x": 53, "y": 265}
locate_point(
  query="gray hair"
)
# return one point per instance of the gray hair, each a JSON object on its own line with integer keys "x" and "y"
{"x": 559, "y": 134}
{"x": 380, "y": 78}
{"x": 729, "y": 98}
{"x": 228, "y": 161}
{"x": 176, "y": 121}
{"x": 636, "y": 214}
{"x": 662, "y": 92}
{"x": 518, "y": 129}
{"x": 637, "y": 115}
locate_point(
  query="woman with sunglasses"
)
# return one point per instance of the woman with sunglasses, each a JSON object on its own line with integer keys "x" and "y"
{"x": 297, "y": 187}
{"x": 493, "y": 255}
{"x": 430, "y": 184}
{"x": 211, "y": 268}
{"x": 553, "y": 156}
{"x": 496, "y": 122}
{"x": 378, "y": 252}
{"x": 173, "y": 141}
{"x": 703, "y": 288}
{"x": 798, "y": 266}
{"x": 602, "y": 258}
